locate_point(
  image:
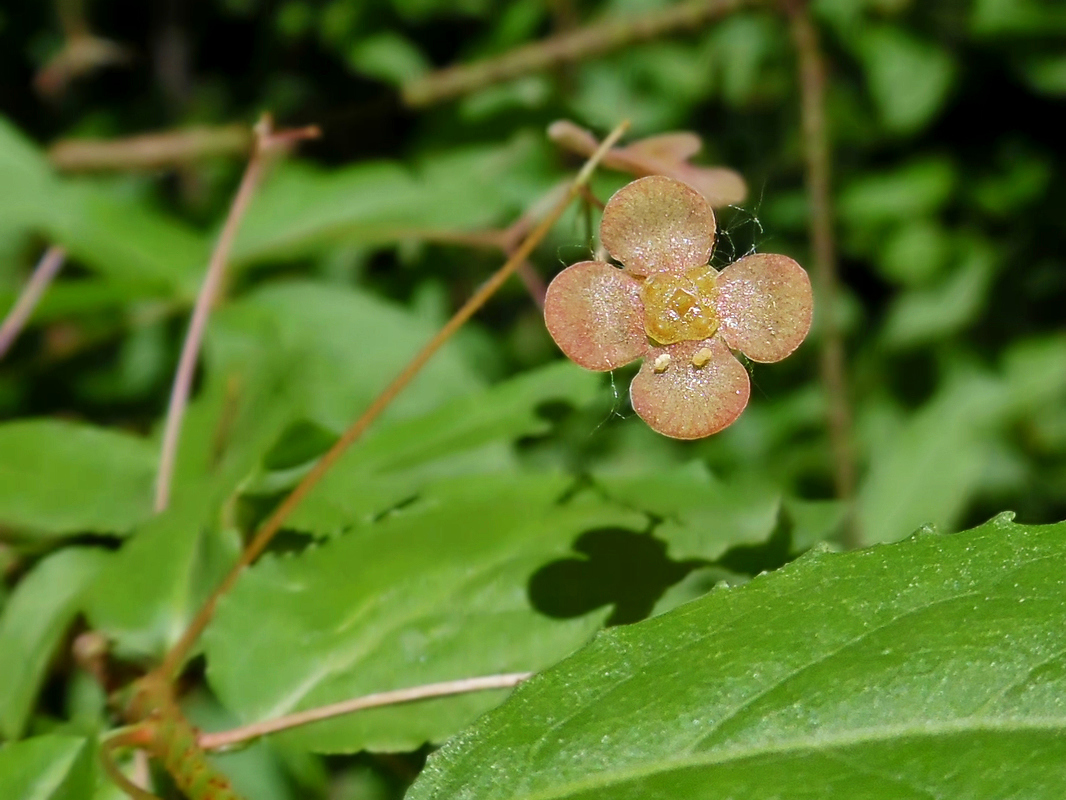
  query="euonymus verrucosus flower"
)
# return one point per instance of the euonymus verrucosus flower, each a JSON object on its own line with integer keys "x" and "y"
{"x": 669, "y": 306}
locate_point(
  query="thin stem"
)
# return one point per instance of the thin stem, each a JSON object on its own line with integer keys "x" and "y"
{"x": 591, "y": 40}
{"x": 832, "y": 362}
{"x": 266, "y": 142}
{"x": 137, "y": 736}
{"x": 150, "y": 150}
{"x": 214, "y": 741}
{"x": 47, "y": 268}
{"x": 273, "y": 523}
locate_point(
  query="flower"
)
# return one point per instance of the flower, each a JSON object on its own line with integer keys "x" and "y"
{"x": 668, "y": 306}
{"x": 666, "y": 154}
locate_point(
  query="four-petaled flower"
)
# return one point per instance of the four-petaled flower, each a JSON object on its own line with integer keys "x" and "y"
{"x": 670, "y": 307}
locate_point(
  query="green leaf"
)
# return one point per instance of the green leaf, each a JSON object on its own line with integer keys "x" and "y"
{"x": 389, "y": 57}
{"x": 47, "y": 768}
{"x": 257, "y": 771}
{"x": 908, "y": 78}
{"x": 302, "y": 210}
{"x": 146, "y": 595}
{"x": 925, "y": 470}
{"x": 33, "y": 622}
{"x": 1035, "y": 373}
{"x": 915, "y": 253}
{"x": 910, "y": 191}
{"x": 1046, "y": 74}
{"x": 471, "y": 434}
{"x": 128, "y": 242}
{"x": 435, "y": 591}
{"x": 923, "y": 315}
{"x": 1014, "y": 17}
{"x": 342, "y": 347}
{"x": 27, "y": 180}
{"x": 698, "y": 515}
{"x": 929, "y": 668}
{"x": 148, "y": 253}
{"x": 59, "y": 478}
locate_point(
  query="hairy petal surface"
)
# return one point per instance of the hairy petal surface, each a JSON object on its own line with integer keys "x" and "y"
{"x": 688, "y": 402}
{"x": 658, "y": 224}
{"x": 594, "y": 313}
{"x": 764, "y": 306}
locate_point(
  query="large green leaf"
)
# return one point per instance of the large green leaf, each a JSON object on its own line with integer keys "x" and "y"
{"x": 128, "y": 242}
{"x": 302, "y": 210}
{"x": 134, "y": 246}
{"x": 33, "y": 621}
{"x": 145, "y": 596}
{"x": 60, "y": 478}
{"x": 471, "y": 434}
{"x": 343, "y": 347}
{"x": 47, "y": 768}
{"x": 435, "y": 591}
{"x": 928, "y": 668}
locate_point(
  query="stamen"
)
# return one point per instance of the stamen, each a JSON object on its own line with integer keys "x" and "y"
{"x": 662, "y": 361}
{"x": 702, "y": 357}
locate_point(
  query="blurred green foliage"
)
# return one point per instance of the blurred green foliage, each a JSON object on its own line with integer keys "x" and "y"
{"x": 949, "y": 199}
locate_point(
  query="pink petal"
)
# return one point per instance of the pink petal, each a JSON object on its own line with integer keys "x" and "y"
{"x": 764, "y": 306}
{"x": 721, "y": 186}
{"x": 593, "y": 312}
{"x": 657, "y": 224}
{"x": 679, "y": 146}
{"x": 686, "y": 402}
{"x": 573, "y": 137}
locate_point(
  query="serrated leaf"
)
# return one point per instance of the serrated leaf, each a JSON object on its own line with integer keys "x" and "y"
{"x": 435, "y": 591}
{"x": 47, "y": 768}
{"x": 471, "y": 434}
{"x": 697, "y": 515}
{"x": 145, "y": 596}
{"x": 33, "y": 622}
{"x": 928, "y": 668}
{"x": 59, "y": 478}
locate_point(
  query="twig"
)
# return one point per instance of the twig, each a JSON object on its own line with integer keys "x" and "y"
{"x": 42, "y": 276}
{"x": 591, "y": 40}
{"x": 150, "y": 150}
{"x": 213, "y": 741}
{"x": 266, "y": 142}
{"x": 832, "y": 362}
{"x": 137, "y": 737}
{"x": 169, "y": 668}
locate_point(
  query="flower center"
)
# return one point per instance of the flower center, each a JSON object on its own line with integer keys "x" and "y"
{"x": 679, "y": 308}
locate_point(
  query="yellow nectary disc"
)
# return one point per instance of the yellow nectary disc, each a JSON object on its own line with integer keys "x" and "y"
{"x": 680, "y": 308}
